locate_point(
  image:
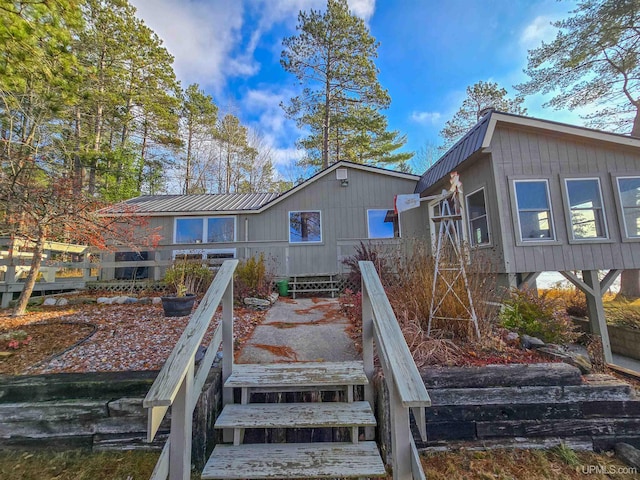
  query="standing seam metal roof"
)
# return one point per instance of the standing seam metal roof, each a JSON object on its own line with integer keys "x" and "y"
{"x": 463, "y": 149}
{"x": 228, "y": 202}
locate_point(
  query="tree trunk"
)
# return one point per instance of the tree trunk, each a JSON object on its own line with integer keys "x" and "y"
{"x": 630, "y": 279}
{"x": 21, "y": 306}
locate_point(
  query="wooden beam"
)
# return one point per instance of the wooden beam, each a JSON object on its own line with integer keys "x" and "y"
{"x": 577, "y": 282}
{"x": 608, "y": 279}
{"x": 597, "y": 317}
{"x": 528, "y": 278}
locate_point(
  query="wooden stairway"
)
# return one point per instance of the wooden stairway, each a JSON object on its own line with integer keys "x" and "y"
{"x": 296, "y": 460}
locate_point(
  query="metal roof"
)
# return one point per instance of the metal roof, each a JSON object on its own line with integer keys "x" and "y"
{"x": 463, "y": 149}
{"x": 220, "y": 202}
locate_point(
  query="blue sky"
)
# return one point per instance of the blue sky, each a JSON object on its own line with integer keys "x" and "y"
{"x": 430, "y": 51}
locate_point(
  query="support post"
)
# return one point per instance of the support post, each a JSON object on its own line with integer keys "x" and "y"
{"x": 400, "y": 435}
{"x": 86, "y": 266}
{"x": 227, "y": 351}
{"x": 181, "y": 429}
{"x": 156, "y": 267}
{"x": 595, "y": 308}
{"x": 367, "y": 353}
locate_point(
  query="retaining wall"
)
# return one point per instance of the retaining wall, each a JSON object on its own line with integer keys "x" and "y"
{"x": 624, "y": 340}
{"x": 528, "y": 406}
{"x": 95, "y": 411}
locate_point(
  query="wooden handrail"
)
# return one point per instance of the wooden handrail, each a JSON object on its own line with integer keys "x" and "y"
{"x": 178, "y": 385}
{"x": 406, "y": 388}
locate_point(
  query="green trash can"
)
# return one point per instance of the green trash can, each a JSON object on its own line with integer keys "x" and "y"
{"x": 283, "y": 287}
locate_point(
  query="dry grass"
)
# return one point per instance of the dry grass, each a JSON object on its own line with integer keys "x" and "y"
{"x": 77, "y": 465}
{"x": 556, "y": 464}
{"x": 413, "y": 290}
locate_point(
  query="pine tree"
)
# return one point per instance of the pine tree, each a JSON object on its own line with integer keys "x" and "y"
{"x": 333, "y": 58}
{"x": 480, "y": 96}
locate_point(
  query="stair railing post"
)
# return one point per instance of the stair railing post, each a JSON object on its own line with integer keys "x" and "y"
{"x": 367, "y": 353}
{"x": 400, "y": 435}
{"x": 227, "y": 350}
{"x": 181, "y": 429}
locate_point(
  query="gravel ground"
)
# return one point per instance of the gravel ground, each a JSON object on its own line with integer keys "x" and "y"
{"x": 127, "y": 337}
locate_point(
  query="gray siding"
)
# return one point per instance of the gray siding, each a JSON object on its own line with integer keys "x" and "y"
{"x": 475, "y": 174}
{"x": 344, "y": 224}
{"x": 344, "y": 219}
{"x": 522, "y": 154}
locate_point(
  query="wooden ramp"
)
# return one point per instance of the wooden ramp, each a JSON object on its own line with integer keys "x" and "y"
{"x": 357, "y": 459}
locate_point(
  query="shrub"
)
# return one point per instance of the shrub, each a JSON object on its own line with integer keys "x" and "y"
{"x": 412, "y": 292}
{"x": 538, "y": 316}
{"x": 188, "y": 276}
{"x": 252, "y": 278}
{"x": 369, "y": 253}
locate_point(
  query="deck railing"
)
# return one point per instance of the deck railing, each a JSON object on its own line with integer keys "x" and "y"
{"x": 403, "y": 380}
{"x": 179, "y": 385}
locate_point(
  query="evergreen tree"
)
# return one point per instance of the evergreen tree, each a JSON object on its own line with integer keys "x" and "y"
{"x": 480, "y": 96}
{"x": 333, "y": 57}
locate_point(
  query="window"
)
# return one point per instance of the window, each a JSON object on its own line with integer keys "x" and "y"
{"x": 383, "y": 224}
{"x": 629, "y": 190}
{"x": 585, "y": 208}
{"x": 534, "y": 210}
{"x": 189, "y": 230}
{"x": 205, "y": 230}
{"x": 305, "y": 227}
{"x": 478, "y": 221}
{"x": 220, "y": 229}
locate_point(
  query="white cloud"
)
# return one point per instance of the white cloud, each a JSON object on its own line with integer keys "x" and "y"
{"x": 539, "y": 30}
{"x": 203, "y": 38}
{"x": 363, "y": 8}
{"x": 276, "y": 129}
{"x": 426, "y": 118}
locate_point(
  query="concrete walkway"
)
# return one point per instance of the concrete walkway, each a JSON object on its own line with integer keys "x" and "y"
{"x": 304, "y": 330}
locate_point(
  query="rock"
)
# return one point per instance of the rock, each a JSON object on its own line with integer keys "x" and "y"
{"x": 62, "y": 302}
{"x": 144, "y": 300}
{"x": 105, "y": 300}
{"x": 49, "y": 302}
{"x": 531, "y": 342}
{"x": 120, "y": 300}
{"x": 128, "y": 300}
{"x": 156, "y": 300}
{"x": 580, "y": 361}
{"x": 257, "y": 302}
{"x": 628, "y": 454}
{"x": 200, "y": 353}
{"x": 273, "y": 298}
{"x": 512, "y": 337}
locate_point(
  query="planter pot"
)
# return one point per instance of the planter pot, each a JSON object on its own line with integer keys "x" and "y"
{"x": 178, "y": 306}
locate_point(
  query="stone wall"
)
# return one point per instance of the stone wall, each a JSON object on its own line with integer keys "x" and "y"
{"x": 524, "y": 406}
{"x": 95, "y": 411}
{"x": 624, "y": 340}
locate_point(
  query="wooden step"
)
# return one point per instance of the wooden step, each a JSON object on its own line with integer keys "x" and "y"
{"x": 295, "y": 460}
{"x": 297, "y": 415}
{"x": 304, "y": 374}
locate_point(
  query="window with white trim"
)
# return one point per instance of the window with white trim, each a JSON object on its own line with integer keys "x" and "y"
{"x": 534, "y": 210}
{"x": 629, "y": 192}
{"x": 383, "y": 224}
{"x": 587, "y": 216}
{"x": 205, "y": 230}
{"x": 478, "y": 219}
{"x": 305, "y": 227}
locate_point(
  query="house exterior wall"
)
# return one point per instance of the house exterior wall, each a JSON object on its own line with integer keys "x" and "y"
{"x": 476, "y": 173}
{"x": 343, "y": 217}
{"x": 520, "y": 154}
{"x": 343, "y": 213}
